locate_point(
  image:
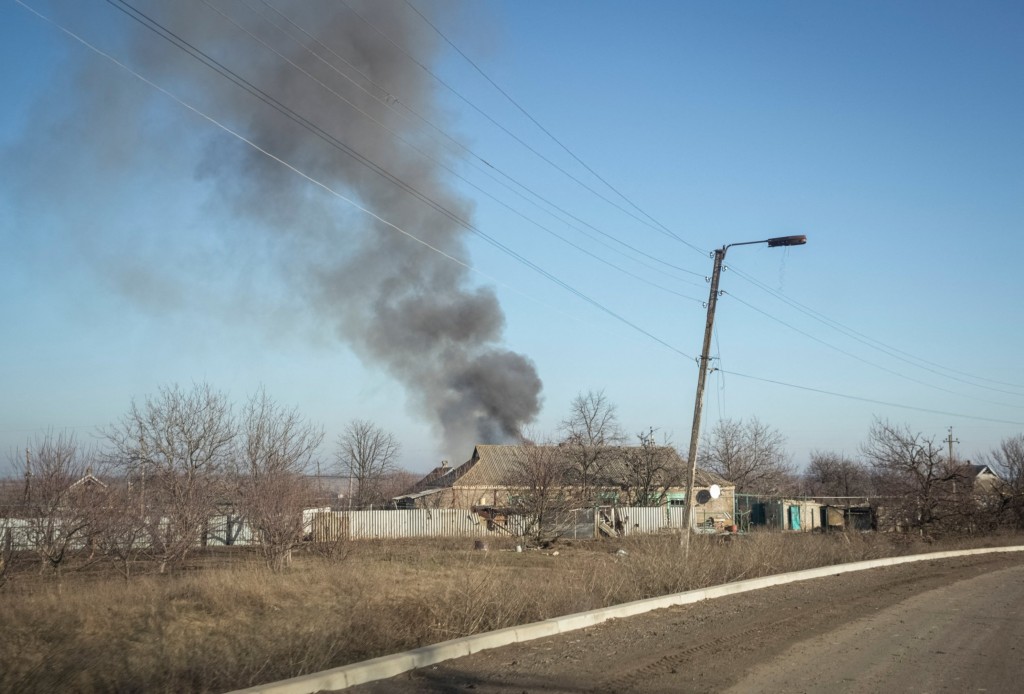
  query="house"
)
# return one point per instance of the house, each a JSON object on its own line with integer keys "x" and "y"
{"x": 498, "y": 476}
{"x": 982, "y": 478}
{"x": 88, "y": 482}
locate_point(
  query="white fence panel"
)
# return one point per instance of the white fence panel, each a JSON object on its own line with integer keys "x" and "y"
{"x": 410, "y": 523}
{"x": 222, "y": 532}
{"x": 362, "y": 525}
{"x": 20, "y": 530}
{"x": 676, "y": 516}
{"x": 365, "y": 525}
{"x": 646, "y": 520}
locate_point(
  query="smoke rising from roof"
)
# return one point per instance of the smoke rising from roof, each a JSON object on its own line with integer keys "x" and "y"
{"x": 396, "y": 303}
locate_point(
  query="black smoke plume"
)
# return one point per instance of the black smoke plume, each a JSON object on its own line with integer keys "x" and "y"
{"x": 398, "y": 304}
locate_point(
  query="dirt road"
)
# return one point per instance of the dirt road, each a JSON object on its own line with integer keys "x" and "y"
{"x": 952, "y": 625}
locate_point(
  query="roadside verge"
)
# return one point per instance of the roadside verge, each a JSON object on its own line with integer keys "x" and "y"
{"x": 391, "y": 665}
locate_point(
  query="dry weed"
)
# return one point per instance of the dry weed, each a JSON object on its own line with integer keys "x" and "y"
{"x": 234, "y": 626}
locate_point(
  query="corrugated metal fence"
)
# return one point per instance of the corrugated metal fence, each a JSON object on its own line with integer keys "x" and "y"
{"x": 360, "y": 525}
{"x": 324, "y": 525}
{"x": 647, "y": 520}
{"x": 414, "y": 523}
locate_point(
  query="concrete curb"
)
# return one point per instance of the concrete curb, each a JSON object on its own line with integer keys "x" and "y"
{"x": 391, "y": 665}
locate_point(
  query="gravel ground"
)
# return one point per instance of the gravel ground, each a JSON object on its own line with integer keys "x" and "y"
{"x": 947, "y": 625}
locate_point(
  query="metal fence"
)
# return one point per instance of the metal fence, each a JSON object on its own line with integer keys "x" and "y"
{"x": 366, "y": 525}
{"x": 324, "y": 525}
{"x": 648, "y": 520}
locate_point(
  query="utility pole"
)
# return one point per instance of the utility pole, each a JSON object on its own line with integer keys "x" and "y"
{"x": 950, "y": 440}
{"x": 698, "y": 406}
{"x": 28, "y": 475}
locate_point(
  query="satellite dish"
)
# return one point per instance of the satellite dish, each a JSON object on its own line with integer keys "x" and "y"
{"x": 715, "y": 491}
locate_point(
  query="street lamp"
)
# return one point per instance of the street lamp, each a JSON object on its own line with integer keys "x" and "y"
{"x": 698, "y": 406}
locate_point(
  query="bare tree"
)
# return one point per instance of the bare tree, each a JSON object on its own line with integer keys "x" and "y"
{"x": 8, "y": 527}
{"x": 367, "y": 454}
{"x": 834, "y": 474}
{"x": 177, "y": 446}
{"x": 396, "y": 482}
{"x": 589, "y": 431}
{"x": 649, "y": 469}
{"x": 1008, "y": 461}
{"x": 274, "y": 456}
{"x": 915, "y": 474}
{"x": 8, "y": 552}
{"x": 118, "y": 526}
{"x": 54, "y": 508}
{"x": 541, "y": 490}
{"x": 749, "y": 454}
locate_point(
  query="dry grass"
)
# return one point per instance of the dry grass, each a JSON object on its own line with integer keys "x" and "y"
{"x": 225, "y": 627}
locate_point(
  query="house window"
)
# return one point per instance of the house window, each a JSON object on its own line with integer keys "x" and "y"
{"x": 677, "y": 498}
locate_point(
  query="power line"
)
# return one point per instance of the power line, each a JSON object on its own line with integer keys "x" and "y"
{"x": 518, "y": 139}
{"x": 850, "y": 332}
{"x": 441, "y": 164}
{"x": 547, "y": 132}
{"x": 721, "y": 379}
{"x": 391, "y": 225}
{"x": 339, "y": 195}
{"x": 198, "y": 54}
{"x": 865, "y": 361}
{"x": 484, "y": 166}
{"x": 539, "y": 125}
{"x": 871, "y": 400}
{"x": 879, "y": 345}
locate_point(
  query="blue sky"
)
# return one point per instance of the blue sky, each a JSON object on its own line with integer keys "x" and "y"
{"x": 888, "y": 133}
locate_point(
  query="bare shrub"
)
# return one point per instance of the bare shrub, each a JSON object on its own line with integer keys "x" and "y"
{"x": 118, "y": 527}
{"x": 649, "y": 470}
{"x": 834, "y": 474}
{"x": 588, "y": 434}
{"x": 467, "y": 606}
{"x": 397, "y": 482}
{"x": 544, "y": 496}
{"x": 367, "y": 454}
{"x": 273, "y": 488}
{"x": 8, "y": 555}
{"x": 54, "y": 510}
{"x": 658, "y": 566}
{"x": 919, "y": 479}
{"x": 749, "y": 454}
{"x": 1008, "y": 461}
{"x": 187, "y": 631}
{"x": 10, "y": 495}
{"x": 177, "y": 446}
{"x": 329, "y": 535}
